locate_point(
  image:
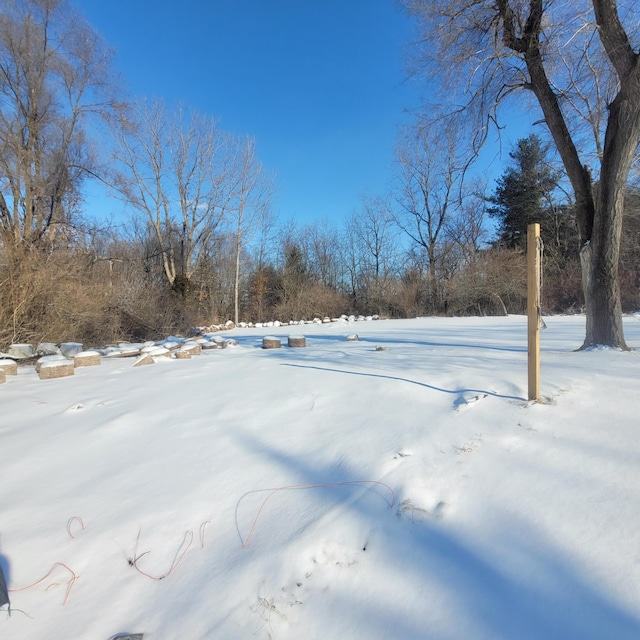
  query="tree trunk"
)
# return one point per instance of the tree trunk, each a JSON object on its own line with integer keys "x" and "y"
{"x": 236, "y": 280}
{"x": 600, "y": 213}
{"x": 604, "y": 309}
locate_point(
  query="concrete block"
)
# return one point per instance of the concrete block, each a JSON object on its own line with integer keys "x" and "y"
{"x": 87, "y": 359}
{"x": 10, "y": 367}
{"x": 55, "y": 369}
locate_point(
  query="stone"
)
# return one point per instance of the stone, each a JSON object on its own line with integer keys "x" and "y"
{"x": 87, "y": 359}
{"x": 156, "y": 351}
{"x": 194, "y": 347}
{"x": 187, "y": 350}
{"x": 55, "y": 369}
{"x": 270, "y": 342}
{"x": 47, "y": 349}
{"x": 144, "y": 359}
{"x": 70, "y": 349}
{"x": 9, "y": 367}
{"x": 59, "y": 358}
{"x": 22, "y": 351}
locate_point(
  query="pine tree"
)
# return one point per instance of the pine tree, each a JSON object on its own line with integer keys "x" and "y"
{"x": 523, "y": 193}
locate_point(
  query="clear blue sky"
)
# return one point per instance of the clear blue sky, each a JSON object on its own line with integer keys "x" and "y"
{"x": 320, "y": 84}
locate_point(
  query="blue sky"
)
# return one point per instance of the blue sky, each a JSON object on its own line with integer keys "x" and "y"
{"x": 320, "y": 84}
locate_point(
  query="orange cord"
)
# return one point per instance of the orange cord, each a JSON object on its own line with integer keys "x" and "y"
{"x": 203, "y": 526}
{"x": 69, "y": 584}
{"x": 177, "y": 560}
{"x": 70, "y": 521}
{"x": 245, "y": 542}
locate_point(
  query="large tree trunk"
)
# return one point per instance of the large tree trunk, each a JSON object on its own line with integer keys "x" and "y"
{"x": 600, "y": 214}
{"x": 604, "y": 310}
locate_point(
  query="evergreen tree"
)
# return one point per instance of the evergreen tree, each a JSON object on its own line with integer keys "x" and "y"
{"x": 523, "y": 193}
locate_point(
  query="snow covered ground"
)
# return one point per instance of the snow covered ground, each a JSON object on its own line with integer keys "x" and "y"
{"x": 335, "y": 491}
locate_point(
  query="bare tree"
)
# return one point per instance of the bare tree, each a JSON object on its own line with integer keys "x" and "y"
{"x": 576, "y": 58}
{"x": 179, "y": 172}
{"x": 371, "y": 251}
{"x": 252, "y": 191}
{"x": 432, "y": 165}
{"x": 54, "y": 75}
{"x": 319, "y": 242}
{"x": 467, "y": 230}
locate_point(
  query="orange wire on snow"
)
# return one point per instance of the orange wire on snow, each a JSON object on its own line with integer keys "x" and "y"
{"x": 69, "y": 584}
{"x": 69, "y": 523}
{"x": 176, "y": 561}
{"x": 203, "y": 526}
{"x": 245, "y": 542}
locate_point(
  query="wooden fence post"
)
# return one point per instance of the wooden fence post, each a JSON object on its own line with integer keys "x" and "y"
{"x": 533, "y": 309}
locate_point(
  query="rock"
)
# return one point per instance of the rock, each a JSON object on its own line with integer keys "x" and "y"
{"x": 47, "y": 349}
{"x": 156, "y": 351}
{"x": 70, "y": 349}
{"x": 297, "y": 341}
{"x": 87, "y": 359}
{"x": 144, "y": 359}
{"x": 270, "y": 342}
{"x": 9, "y": 367}
{"x": 21, "y": 351}
{"x": 59, "y": 358}
{"x": 188, "y": 349}
{"x": 55, "y": 369}
{"x": 121, "y": 352}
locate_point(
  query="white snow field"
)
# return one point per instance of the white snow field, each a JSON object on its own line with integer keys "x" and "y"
{"x": 329, "y": 492}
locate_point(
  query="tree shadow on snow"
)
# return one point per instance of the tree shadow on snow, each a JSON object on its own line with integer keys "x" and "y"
{"x": 5, "y": 580}
{"x": 443, "y": 344}
{"x": 522, "y": 588}
{"x": 456, "y": 392}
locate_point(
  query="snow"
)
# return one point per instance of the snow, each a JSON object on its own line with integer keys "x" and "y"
{"x": 333, "y": 491}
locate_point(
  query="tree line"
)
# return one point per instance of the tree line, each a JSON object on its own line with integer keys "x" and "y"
{"x": 201, "y": 245}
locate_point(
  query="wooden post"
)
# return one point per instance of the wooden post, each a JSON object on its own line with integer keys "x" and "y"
{"x": 533, "y": 309}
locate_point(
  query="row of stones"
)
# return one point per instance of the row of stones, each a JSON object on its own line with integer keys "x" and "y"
{"x": 271, "y": 342}
{"x": 59, "y": 366}
{"x": 229, "y": 324}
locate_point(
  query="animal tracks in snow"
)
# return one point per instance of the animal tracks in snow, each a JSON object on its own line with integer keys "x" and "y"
{"x": 409, "y": 511}
{"x": 314, "y": 576}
